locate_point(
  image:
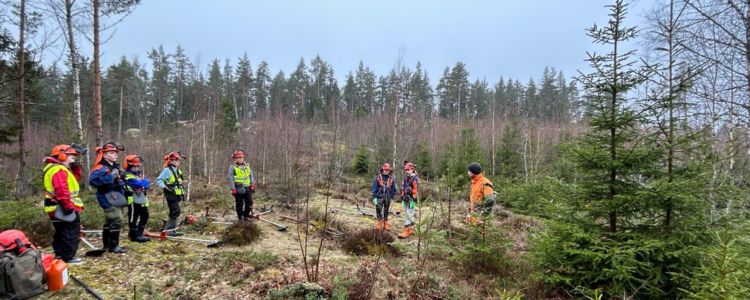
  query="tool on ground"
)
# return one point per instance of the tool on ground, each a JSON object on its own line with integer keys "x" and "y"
{"x": 88, "y": 289}
{"x": 94, "y": 252}
{"x": 279, "y": 226}
{"x": 363, "y": 212}
{"x": 163, "y": 236}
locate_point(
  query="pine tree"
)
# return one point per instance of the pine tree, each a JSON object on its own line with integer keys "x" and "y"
{"x": 423, "y": 161}
{"x": 361, "y": 162}
{"x": 229, "y": 123}
{"x": 278, "y": 101}
{"x": 261, "y": 88}
{"x": 244, "y": 87}
{"x": 610, "y": 237}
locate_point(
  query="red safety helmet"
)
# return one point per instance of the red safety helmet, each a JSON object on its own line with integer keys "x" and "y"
{"x": 132, "y": 160}
{"x": 238, "y": 154}
{"x": 61, "y": 152}
{"x": 110, "y": 146}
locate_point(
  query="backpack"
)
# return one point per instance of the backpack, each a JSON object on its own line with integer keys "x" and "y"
{"x": 21, "y": 270}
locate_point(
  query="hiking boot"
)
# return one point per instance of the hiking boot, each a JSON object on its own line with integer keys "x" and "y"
{"x": 379, "y": 225}
{"x": 405, "y": 233}
{"x": 74, "y": 261}
{"x": 411, "y": 230}
{"x": 386, "y": 226}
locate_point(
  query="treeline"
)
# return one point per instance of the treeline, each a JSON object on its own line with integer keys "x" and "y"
{"x": 176, "y": 90}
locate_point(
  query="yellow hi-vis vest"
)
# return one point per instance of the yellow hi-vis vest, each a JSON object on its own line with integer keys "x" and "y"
{"x": 242, "y": 175}
{"x": 175, "y": 182}
{"x": 131, "y": 192}
{"x": 49, "y": 171}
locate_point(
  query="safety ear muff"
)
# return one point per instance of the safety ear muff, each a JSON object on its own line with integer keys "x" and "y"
{"x": 62, "y": 157}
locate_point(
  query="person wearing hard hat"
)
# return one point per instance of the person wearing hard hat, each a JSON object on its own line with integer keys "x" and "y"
{"x": 409, "y": 198}
{"x": 481, "y": 196}
{"x": 170, "y": 181}
{"x": 383, "y": 191}
{"x": 241, "y": 185}
{"x": 62, "y": 203}
{"x": 107, "y": 178}
{"x": 136, "y": 185}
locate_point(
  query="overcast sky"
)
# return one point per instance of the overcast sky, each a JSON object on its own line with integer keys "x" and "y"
{"x": 494, "y": 38}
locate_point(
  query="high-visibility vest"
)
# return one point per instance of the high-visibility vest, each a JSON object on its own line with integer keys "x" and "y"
{"x": 131, "y": 192}
{"x": 49, "y": 171}
{"x": 173, "y": 181}
{"x": 242, "y": 175}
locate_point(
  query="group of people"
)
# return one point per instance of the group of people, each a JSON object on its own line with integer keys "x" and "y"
{"x": 481, "y": 196}
{"x": 118, "y": 186}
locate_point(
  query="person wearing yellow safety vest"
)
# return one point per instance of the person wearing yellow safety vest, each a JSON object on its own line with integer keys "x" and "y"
{"x": 62, "y": 203}
{"x": 242, "y": 185}
{"x": 170, "y": 181}
{"x": 136, "y": 185}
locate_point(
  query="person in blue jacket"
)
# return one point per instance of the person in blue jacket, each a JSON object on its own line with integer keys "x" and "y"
{"x": 136, "y": 186}
{"x": 107, "y": 178}
{"x": 383, "y": 191}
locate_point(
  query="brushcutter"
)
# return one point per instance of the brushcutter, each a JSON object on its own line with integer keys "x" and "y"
{"x": 163, "y": 236}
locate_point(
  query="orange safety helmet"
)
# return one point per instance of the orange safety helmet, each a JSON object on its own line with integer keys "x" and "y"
{"x": 174, "y": 155}
{"x": 61, "y": 152}
{"x": 109, "y": 146}
{"x": 238, "y": 154}
{"x": 386, "y": 167}
{"x": 132, "y": 160}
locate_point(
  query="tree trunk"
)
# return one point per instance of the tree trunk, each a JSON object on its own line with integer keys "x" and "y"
{"x": 119, "y": 119}
{"x": 74, "y": 77}
{"x": 97, "y": 78}
{"x": 21, "y": 93}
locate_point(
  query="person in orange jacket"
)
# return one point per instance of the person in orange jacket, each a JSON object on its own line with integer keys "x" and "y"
{"x": 409, "y": 198}
{"x": 481, "y": 196}
{"x": 62, "y": 202}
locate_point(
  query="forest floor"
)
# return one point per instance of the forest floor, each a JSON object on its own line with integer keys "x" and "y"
{"x": 272, "y": 267}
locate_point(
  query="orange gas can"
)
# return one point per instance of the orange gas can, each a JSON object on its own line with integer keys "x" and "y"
{"x": 57, "y": 275}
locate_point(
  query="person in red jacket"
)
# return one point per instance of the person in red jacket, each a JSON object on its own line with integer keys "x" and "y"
{"x": 62, "y": 202}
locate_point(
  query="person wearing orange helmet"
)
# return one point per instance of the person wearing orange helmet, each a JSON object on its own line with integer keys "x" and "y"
{"x": 136, "y": 185}
{"x": 383, "y": 191}
{"x": 409, "y": 198}
{"x": 170, "y": 181}
{"x": 241, "y": 185}
{"x": 107, "y": 178}
{"x": 62, "y": 203}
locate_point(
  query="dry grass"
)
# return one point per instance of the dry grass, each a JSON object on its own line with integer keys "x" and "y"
{"x": 241, "y": 233}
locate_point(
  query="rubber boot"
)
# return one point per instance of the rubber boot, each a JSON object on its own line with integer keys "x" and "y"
{"x": 114, "y": 243}
{"x": 405, "y": 233}
{"x": 139, "y": 235}
{"x": 386, "y": 225}
{"x": 132, "y": 234}
{"x": 105, "y": 238}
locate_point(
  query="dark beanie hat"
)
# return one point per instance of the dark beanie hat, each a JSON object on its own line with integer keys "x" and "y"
{"x": 475, "y": 168}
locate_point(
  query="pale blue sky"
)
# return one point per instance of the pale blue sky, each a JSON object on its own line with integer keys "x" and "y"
{"x": 494, "y": 38}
